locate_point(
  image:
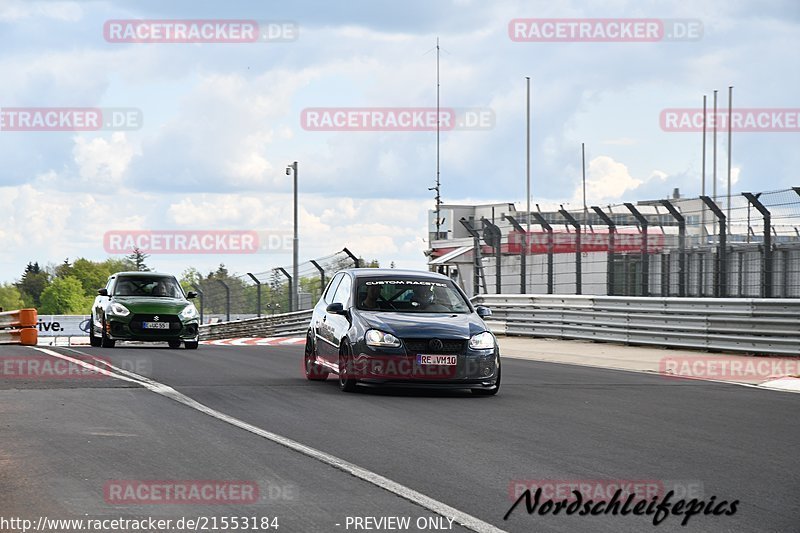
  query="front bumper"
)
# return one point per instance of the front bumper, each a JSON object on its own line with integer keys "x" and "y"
{"x": 473, "y": 369}
{"x": 130, "y": 329}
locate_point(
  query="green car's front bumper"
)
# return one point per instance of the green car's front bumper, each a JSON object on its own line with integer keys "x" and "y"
{"x": 132, "y": 328}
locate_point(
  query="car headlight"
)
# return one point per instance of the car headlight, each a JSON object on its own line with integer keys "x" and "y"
{"x": 118, "y": 309}
{"x": 379, "y": 339}
{"x": 482, "y": 341}
{"x": 189, "y": 312}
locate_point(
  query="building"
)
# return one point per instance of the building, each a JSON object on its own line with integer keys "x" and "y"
{"x": 658, "y": 247}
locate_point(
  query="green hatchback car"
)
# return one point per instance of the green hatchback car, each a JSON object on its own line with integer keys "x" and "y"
{"x": 144, "y": 306}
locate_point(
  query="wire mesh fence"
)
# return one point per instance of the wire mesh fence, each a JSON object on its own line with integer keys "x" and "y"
{"x": 747, "y": 245}
{"x": 223, "y": 296}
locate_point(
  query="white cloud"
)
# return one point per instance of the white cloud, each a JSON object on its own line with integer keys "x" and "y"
{"x": 103, "y": 162}
{"x": 15, "y": 10}
{"x": 609, "y": 181}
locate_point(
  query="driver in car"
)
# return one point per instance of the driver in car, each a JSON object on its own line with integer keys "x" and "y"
{"x": 425, "y": 297}
{"x": 159, "y": 289}
{"x": 371, "y": 299}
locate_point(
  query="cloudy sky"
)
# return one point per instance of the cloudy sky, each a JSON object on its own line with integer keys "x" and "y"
{"x": 222, "y": 120}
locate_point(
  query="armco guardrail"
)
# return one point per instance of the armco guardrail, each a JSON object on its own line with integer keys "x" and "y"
{"x": 767, "y": 326}
{"x": 18, "y": 327}
{"x": 266, "y": 326}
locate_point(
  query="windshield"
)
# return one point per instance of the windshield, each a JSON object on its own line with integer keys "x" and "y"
{"x": 410, "y": 296}
{"x": 158, "y": 286}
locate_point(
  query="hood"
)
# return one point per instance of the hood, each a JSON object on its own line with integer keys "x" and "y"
{"x": 153, "y": 305}
{"x": 425, "y": 325}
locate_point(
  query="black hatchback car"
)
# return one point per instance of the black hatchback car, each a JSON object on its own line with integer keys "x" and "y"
{"x": 401, "y": 327}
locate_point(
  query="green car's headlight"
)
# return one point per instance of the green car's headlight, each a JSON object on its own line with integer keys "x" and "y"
{"x": 482, "y": 341}
{"x": 118, "y": 309}
{"x": 189, "y": 312}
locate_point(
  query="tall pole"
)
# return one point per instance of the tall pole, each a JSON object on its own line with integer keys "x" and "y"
{"x": 295, "y": 240}
{"x": 527, "y": 172}
{"x": 438, "y": 195}
{"x": 730, "y": 112}
{"x": 583, "y": 169}
{"x": 714, "y": 152}
{"x": 703, "y": 172}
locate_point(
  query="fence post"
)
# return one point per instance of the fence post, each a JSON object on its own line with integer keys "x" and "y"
{"x": 291, "y": 286}
{"x": 493, "y": 237}
{"x": 321, "y": 276}
{"x": 681, "y": 245}
{"x": 575, "y": 224}
{"x": 549, "y": 229}
{"x": 612, "y": 230}
{"x": 202, "y": 297}
{"x": 476, "y": 256}
{"x": 721, "y": 264}
{"x": 644, "y": 290}
{"x": 227, "y": 300}
{"x": 766, "y": 258}
{"x": 258, "y": 293}
{"x": 355, "y": 259}
{"x": 523, "y": 249}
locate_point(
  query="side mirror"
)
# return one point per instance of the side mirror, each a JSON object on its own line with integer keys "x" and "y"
{"x": 191, "y": 294}
{"x": 335, "y": 308}
{"x": 102, "y": 292}
{"x": 483, "y": 312}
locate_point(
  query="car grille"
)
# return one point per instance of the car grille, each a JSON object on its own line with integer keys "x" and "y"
{"x": 174, "y": 324}
{"x": 449, "y": 346}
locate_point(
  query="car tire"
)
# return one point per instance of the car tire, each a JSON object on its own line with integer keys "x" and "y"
{"x": 191, "y": 345}
{"x": 94, "y": 341}
{"x": 314, "y": 372}
{"x": 489, "y": 392}
{"x": 346, "y": 383}
{"x": 174, "y": 344}
{"x": 105, "y": 342}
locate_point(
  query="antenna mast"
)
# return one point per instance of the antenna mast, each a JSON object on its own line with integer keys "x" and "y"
{"x": 438, "y": 195}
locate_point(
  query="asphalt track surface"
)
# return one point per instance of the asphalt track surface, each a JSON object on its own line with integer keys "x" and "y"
{"x": 64, "y": 440}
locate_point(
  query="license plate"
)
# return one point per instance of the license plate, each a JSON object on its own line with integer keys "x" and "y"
{"x": 155, "y": 325}
{"x": 447, "y": 360}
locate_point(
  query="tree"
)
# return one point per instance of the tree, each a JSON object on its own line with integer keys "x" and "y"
{"x": 10, "y": 298}
{"x": 33, "y": 282}
{"x": 191, "y": 276}
{"x": 118, "y": 265}
{"x": 138, "y": 258}
{"x": 63, "y": 270}
{"x": 344, "y": 261}
{"x": 311, "y": 285}
{"x": 221, "y": 273}
{"x": 64, "y": 296}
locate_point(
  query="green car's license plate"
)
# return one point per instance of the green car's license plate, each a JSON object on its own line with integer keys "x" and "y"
{"x": 155, "y": 325}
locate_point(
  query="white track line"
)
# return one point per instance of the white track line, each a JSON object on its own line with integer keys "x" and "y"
{"x": 442, "y": 509}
